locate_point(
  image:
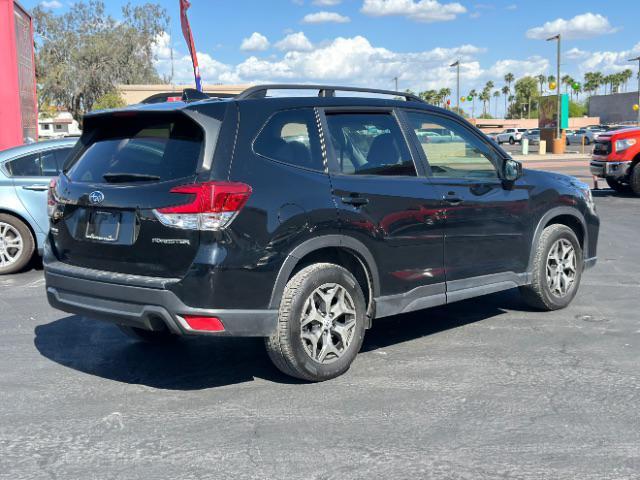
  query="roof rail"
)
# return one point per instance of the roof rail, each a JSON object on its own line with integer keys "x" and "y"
{"x": 260, "y": 91}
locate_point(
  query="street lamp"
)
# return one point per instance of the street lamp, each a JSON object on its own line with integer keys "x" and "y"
{"x": 395, "y": 79}
{"x": 637, "y": 59}
{"x": 457, "y": 65}
{"x": 558, "y": 134}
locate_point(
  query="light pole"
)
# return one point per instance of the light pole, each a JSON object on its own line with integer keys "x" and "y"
{"x": 637, "y": 59}
{"x": 558, "y": 134}
{"x": 395, "y": 79}
{"x": 457, "y": 65}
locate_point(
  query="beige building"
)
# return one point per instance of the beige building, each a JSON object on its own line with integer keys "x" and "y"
{"x": 137, "y": 93}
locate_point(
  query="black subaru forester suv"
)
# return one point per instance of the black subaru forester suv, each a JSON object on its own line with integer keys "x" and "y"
{"x": 301, "y": 220}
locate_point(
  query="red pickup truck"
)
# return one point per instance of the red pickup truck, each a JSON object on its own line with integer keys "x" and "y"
{"x": 616, "y": 155}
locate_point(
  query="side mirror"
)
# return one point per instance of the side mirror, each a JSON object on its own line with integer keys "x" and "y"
{"x": 511, "y": 170}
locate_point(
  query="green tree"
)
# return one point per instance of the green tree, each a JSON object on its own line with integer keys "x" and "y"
{"x": 111, "y": 99}
{"x": 84, "y": 53}
{"x": 526, "y": 90}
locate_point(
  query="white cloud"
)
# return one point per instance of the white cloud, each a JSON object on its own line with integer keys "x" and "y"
{"x": 326, "y": 3}
{"x": 51, "y": 4}
{"x": 421, "y": 10}
{"x": 610, "y": 62}
{"x": 295, "y": 42}
{"x": 531, "y": 66}
{"x": 587, "y": 25}
{"x": 325, "y": 17}
{"x": 256, "y": 42}
{"x": 352, "y": 61}
{"x": 575, "y": 53}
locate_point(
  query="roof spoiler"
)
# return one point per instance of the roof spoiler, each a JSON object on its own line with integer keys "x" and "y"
{"x": 193, "y": 95}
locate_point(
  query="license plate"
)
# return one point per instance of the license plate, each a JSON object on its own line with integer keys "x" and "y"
{"x": 103, "y": 226}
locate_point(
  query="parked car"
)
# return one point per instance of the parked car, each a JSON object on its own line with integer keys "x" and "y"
{"x": 493, "y": 136}
{"x": 616, "y": 158}
{"x": 532, "y": 135}
{"x": 511, "y": 135}
{"x": 205, "y": 218}
{"x": 586, "y": 135}
{"x": 25, "y": 172}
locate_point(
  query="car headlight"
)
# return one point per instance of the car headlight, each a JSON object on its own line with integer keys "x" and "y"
{"x": 622, "y": 145}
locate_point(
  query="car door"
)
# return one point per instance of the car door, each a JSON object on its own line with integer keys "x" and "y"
{"x": 385, "y": 201}
{"x": 31, "y": 175}
{"x": 486, "y": 220}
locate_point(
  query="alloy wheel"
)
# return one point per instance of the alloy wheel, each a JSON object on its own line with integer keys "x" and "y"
{"x": 11, "y": 244}
{"x": 561, "y": 267}
{"x": 328, "y": 323}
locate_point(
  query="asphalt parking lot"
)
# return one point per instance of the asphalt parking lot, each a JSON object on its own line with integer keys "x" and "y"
{"x": 480, "y": 389}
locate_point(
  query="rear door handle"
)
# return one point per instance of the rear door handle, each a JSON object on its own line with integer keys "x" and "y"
{"x": 452, "y": 199}
{"x": 35, "y": 188}
{"x": 355, "y": 200}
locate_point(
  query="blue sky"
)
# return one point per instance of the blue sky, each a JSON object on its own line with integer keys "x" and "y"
{"x": 368, "y": 42}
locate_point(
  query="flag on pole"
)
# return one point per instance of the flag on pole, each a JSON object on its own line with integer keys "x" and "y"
{"x": 186, "y": 31}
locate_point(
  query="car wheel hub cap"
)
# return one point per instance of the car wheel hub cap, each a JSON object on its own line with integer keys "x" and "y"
{"x": 561, "y": 267}
{"x": 10, "y": 244}
{"x": 328, "y": 321}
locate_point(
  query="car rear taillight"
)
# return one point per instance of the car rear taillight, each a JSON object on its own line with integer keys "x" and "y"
{"x": 52, "y": 201}
{"x": 213, "y": 206}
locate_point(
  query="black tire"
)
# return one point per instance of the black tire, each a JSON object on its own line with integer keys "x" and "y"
{"x": 149, "y": 336}
{"x": 568, "y": 142}
{"x": 634, "y": 179}
{"x": 618, "y": 186}
{"x": 512, "y": 141}
{"x": 538, "y": 294}
{"x": 28, "y": 245}
{"x": 587, "y": 141}
{"x": 285, "y": 347}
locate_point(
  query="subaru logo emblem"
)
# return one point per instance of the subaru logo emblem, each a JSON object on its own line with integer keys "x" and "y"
{"x": 96, "y": 197}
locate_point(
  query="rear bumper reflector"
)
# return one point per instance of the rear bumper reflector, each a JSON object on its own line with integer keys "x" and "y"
{"x": 205, "y": 324}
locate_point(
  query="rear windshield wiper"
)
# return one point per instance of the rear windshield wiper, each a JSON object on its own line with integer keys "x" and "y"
{"x": 129, "y": 177}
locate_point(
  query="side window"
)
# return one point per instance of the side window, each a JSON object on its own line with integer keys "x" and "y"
{"x": 291, "y": 137}
{"x": 49, "y": 164}
{"x": 27, "y": 166}
{"x": 451, "y": 150}
{"x": 61, "y": 156}
{"x": 369, "y": 144}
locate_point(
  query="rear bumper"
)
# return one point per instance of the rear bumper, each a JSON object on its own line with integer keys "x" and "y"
{"x": 609, "y": 169}
{"x": 143, "y": 307}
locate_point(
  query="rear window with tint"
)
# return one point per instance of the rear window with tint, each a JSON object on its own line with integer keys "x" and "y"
{"x": 135, "y": 149}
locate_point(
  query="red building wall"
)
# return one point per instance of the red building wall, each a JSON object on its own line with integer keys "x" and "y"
{"x": 18, "y": 104}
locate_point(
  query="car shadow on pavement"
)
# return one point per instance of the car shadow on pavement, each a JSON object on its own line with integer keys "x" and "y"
{"x": 101, "y": 349}
{"x": 608, "y": 192}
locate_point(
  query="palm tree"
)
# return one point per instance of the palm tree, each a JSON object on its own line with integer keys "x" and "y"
{"x": 473, "y": 95}
{"x": 626, "y": 76}
{"x": 598, "y": 80}
{"x": 443, "y": 94}
{"x": 509, "y": 78}
{"x": 505, "y": 92}
{"x": 485, "y": 96}
{"x": 496, "y": 95}
{"x": 541, "y": 80}
{"x": 567, "y": 81}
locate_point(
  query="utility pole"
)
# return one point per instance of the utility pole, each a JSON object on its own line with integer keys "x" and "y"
{"x": 395, "y": 79}
{"x": 637, "y": 59}
{"x": 559, "y": 112}
{"x": 457, "y": 65}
